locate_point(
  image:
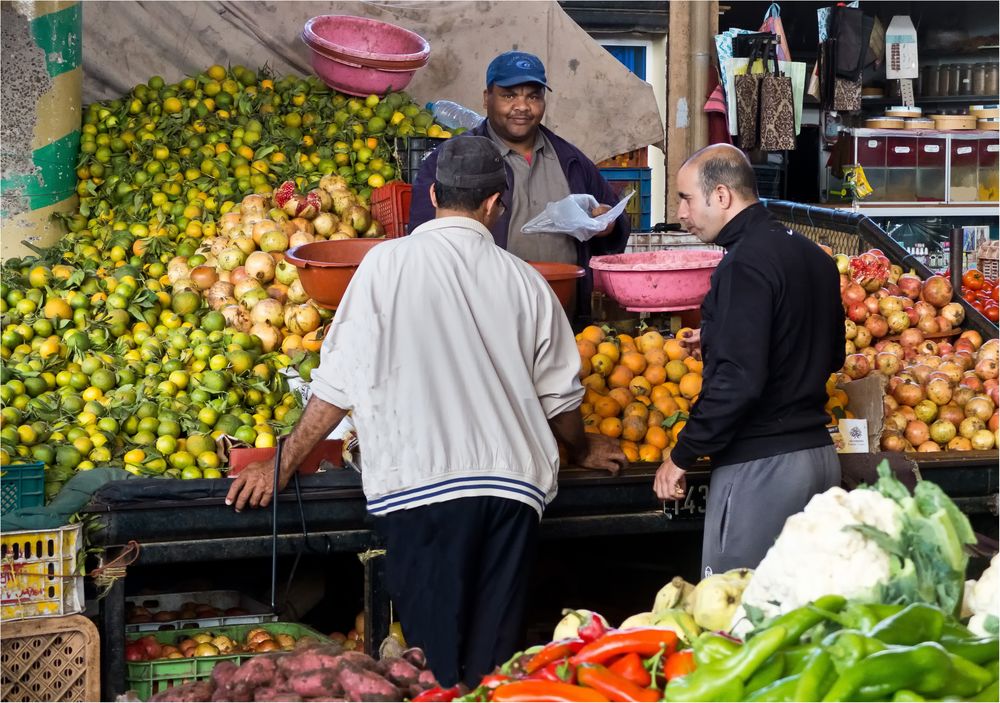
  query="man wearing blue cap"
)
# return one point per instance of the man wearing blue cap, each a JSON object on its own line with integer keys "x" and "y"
{"x": 541, "y": 168}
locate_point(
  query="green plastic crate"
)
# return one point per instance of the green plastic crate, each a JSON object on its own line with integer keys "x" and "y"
{"x": 22, "y": 486}
{"x": 149, "y": 677}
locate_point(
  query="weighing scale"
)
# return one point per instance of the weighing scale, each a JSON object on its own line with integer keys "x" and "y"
{"x": 901, "y": 56}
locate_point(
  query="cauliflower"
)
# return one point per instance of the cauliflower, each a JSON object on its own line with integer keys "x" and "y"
{"x": 983, "y": 600}
{"x": 816, "y": 556}
{"x": 874, "y": 544}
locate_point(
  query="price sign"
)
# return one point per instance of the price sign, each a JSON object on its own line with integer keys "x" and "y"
{"x": 691, "y": 508}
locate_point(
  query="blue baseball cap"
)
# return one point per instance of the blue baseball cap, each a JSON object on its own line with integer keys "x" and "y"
{"x": 515, "y": 68}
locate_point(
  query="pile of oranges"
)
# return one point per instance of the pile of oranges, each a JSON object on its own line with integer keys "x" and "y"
{"x": 639, "y": 390}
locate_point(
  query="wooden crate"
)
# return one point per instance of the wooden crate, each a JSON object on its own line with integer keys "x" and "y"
{"x": 51, "y": 659}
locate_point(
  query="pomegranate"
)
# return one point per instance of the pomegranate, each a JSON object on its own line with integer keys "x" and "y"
{"x": 871, "y": 302}
{"x": 908, "y": 394}
{"x": 919, "y": 371}
{"x": 926, "y": 411}
{"x": 962, "y": 395}
{"x": 893, "y": 442}
{"x": 856, "y": 366}
{"x": 890, "y": 304}
{"x": 889, "y": 404}
{"x": 853, "y": 293}
{"x": 857, "y": 312}
{"x": 980, "y": 406}
{"x": 939, "y": 391}
{"x": 895, "y": 422}
{"x": 911, "y": 337}
{"x": 877, "y": 325}
{"x": 971, "y": 380}
{"x": 954, "y": 313}
{"x": 870, "y": 270}
{"x": 942, "y": 431}
{"x": 928, "y": 324}
{"x": 916, "y": 432}
{"x": 959, "y": 444}
{"x": 928, "y": 346}
{"x": 849, "y": 348}
{"x": 888, "y": 364}
{"x": 907, "y": 412}
{"x": 863, "y": 338}
{"x": 944, "y": 324}
{"x": 898, "y": 321}
{"x": 850, "y": 329}
{"x": 970, "y": 425}
{"x": 974, "y": 337}
{"x": 937, "y": 291}
{"x": 952, "y": 413}
{"x": 913, "y": 315}
{"x": 870, "y": 354}
{"x": 945, "y": 348}
{"x": 929, "y": 446}
{"x": 984, "y": 440}
{"x": 986, "y": 367}
{"x": 910, "y": 285}
{"x": 994, "y": 422}
{"x": 923, "y": 309}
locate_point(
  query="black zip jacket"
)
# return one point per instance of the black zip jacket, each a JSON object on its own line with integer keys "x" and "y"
{"x": 772, "y": 332}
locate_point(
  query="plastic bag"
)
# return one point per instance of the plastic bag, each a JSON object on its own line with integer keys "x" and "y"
{"x": 571, "y": 216}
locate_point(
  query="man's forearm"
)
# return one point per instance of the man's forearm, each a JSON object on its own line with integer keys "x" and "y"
{"x": 318, "y": 420}
{"x": 568, "y": 429}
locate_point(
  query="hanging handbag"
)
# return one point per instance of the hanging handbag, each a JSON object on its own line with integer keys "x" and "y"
{"x": 748, "y": 102}
{"x": 776, "y": 124}
{"x": 772, "y": 23}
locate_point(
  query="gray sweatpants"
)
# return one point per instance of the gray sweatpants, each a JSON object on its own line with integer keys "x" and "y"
{"x": 749, "y": 502}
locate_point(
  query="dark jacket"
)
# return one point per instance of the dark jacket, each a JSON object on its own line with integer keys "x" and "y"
{"x": 581, "y": 175}
{"x": 772, "y": 332}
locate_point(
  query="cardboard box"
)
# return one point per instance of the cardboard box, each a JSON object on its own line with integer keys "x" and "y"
{"x": 329, "y": 450}
{"x": 865, "y": 400}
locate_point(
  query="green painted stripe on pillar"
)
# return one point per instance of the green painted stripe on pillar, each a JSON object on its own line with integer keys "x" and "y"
{"x": 60, "y": 36}
{"x": 55, "y": 177}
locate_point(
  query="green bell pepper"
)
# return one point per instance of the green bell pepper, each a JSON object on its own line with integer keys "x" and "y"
{"x": 849, "y": 647}
{"x": 925, "y": 668}
{"x": 916, "y": 623}
{"x": 711, "y": 646}
{"x": 724, "y": 677}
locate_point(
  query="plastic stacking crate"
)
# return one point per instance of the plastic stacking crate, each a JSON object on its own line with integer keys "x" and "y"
{"x": 22, "y": 486}
{"x": 146, "y": 678}
{"x": 255, "y": 612}
{"x": 390, "y": 205}
{"x": 55, "y": 659}
{"x": 40, "y": 573}
{"x": 409, "y": 154}
{"x": 624, "y": 180}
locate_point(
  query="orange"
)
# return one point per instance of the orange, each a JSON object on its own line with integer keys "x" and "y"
{"x": 592, "y": 420}
{"x": 649, "y": 340}
{"x": 626, "y": 342}
{"x": 690, "y": 385}
{"x": 684, "y": 333}
{"x": 694, "y": 365}
{"x": 634, "y": 362}
{"x": 655, "y": 374}
{"x": 640, "y": 386}
{"x": 675, "y": 370}
{"x": 622, "y": 395}
{"x": 592, "y": 333}
{"x": 677, "y": 428}
{"x": 683, "y": 404}
{"x": 657, "y": 436}
{"x": 647, "y": 452}
{"x": 620, "y": 377}
{"x": 602, "y": 364}
{"x": 658, "y": 392}
{"x": 591, "y": 429}
{"x": 636, "y": 409}
{"x": 657, "y": 357}
{"x": 674, "y": 389}
{"x": 611, "y": 427}
{"x": 630, "y": 449}
{"x": 607, "y": 407}
{"x": 610, "y": 350}
{"x": 655, "y": 418}
{"x": 591, "y": 396}
{"x": 586, "y": 368}
{"x": 666, "y": 405}
{"x": 674, "y": 351}
{"x": 634, "y": 428}
{"x": 840, "y": 397}
{"x": 586, "y": 409}
{"x": 586, "y": 348}
{"x": 595, "y": 381}
{"x": 644, "y": 399}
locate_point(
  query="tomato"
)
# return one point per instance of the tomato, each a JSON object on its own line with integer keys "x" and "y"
{"x": 979, "y": 305}
{"x": 969, "y": 295}
{"x": 973, "y": 279}
{"x": 992, "y": 313}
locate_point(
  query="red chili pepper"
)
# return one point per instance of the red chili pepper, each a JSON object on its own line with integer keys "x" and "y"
{"x": 593, "y": 628}
{"x": 615, "y": 687}
{"x": 544, "y": 691}
{"x": 494, "y": 680}
{"x": 551, "y": 652}
{"x": 630, "y": 666}
{"x": 679, "y": 664}
{"x": 560, "y": 670}
{"x": 438, "y": 694}
{"x": 644, "y": 642}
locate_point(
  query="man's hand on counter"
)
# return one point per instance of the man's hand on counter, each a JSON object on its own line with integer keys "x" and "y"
{"x": 602, "y": 453}
{"x": 254, "y": 486}
{"x": 670, "y": 482}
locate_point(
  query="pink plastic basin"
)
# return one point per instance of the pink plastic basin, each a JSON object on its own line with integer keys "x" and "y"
{"x": 361, "y": 56}
{"x": 656, "y": 280}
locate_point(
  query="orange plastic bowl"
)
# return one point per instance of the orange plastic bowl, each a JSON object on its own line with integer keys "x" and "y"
{"x": 562, "y": 278}
{"x": 326, "y": 267}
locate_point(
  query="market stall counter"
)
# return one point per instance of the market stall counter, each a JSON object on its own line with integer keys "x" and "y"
{"x": 179, "y": 522}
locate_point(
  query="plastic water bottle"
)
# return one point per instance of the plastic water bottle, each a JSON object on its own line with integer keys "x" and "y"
{"x": 452, "y": 115}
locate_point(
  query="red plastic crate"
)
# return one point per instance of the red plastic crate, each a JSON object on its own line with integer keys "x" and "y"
{"x": 390, "y": 205}
{"x": 329, "y": 449}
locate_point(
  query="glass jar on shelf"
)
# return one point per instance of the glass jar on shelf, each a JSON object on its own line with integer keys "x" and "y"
{"x": 979, "y": 79}
{"x": 964, "y": 186}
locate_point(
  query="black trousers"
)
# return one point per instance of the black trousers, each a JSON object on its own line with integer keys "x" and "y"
{"x": 458, "y": 573}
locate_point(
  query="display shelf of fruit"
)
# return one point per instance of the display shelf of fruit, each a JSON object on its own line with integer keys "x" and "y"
{"x": 199, "y": 609}
{"x": 638, "y": 389}
{"x": 233, "y": 639}
{"x": 941, "y": 392}
{"x": 110, "y": 354}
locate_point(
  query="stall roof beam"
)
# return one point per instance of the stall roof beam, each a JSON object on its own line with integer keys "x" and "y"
{"x": 619, "y": 17}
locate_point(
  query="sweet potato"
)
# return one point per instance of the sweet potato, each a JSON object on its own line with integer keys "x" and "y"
{"x": 359, "y": 659}
{"x": 194, "y": 691}
{"x": 254, "y": 673}
{"x": 307, "y": 660}
{"x": 223, "y": 672}
{"x": 399, "y": 671}
{"x": 363, "y": 685}
{"x": 318, "y": 682}
{"x": 416, "y": 656}
{"x": 272, "y": 694}
{"x": 427, "y": 678}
